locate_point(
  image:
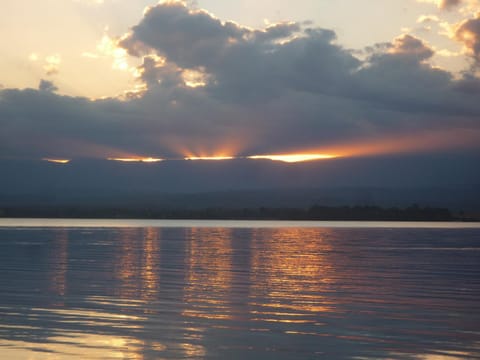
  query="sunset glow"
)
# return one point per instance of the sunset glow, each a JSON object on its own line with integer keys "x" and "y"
{"x": 207, "y": 179}
{"x": 57, "y": 161}
{"x": 292, "y": 158}
{"x": 146, "y": 160}
{"x": 405, "y": 143}
{"x": 227, "y": 148}
{"x": 209, "y": 158}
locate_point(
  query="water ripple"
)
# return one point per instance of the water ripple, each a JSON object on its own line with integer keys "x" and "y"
{"x": 236, "y": 293}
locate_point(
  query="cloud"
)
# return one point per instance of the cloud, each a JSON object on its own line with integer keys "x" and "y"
{"x": 187, "y": 37}
{"x": 52, "y": 64}
{"x": 469, "y": 84}
{"x": 468, "y": 32}
{"x": 47, "y": 86}
{"x": 449, "y": 4}
{"x": 33, "y": 57}
{"x": 427, "y": 19}
{"x": 410, "y": 47}
{"x": 233, "y": 57}
{"x": 209, "y": 87}
{"x": 443, "y": 4}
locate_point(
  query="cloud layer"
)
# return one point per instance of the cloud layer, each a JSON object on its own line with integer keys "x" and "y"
{"x": 214, "y": 87}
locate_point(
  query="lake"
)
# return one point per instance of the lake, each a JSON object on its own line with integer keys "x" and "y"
{"x": 136, "y": 289}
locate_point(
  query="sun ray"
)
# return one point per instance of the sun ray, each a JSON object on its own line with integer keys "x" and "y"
{"x": 209, "y": 158}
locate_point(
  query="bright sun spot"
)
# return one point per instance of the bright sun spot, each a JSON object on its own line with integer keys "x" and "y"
{"x": 291, "y": 158}
{"x": 209, "y": 158}
{"x": 57, "y": 161}
{"x": 108, "y": 47}
{"x": 194, "y": 78}
{"x": 146, "y": 160}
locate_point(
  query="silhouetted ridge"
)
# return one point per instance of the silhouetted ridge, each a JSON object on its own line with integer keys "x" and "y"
{"x": 374, "y": 213}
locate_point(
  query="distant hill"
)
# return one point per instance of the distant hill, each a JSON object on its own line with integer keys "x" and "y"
{"x": 400, "y": 181}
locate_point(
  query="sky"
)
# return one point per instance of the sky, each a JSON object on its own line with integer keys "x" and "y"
{"x": 166, "y": 80}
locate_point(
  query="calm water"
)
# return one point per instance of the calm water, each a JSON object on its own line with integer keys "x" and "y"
{"x": 223, "y": 290}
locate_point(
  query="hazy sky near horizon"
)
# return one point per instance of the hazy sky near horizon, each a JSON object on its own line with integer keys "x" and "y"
{"x": 120, "y": 78}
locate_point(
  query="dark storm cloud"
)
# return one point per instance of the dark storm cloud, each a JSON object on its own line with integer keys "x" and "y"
{"x": 288, "y": 86}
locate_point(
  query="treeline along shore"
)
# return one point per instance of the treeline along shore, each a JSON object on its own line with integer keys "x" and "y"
{"x": 367, "y": 213}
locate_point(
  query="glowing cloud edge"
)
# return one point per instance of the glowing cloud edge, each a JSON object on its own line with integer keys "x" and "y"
{"x": 57, "y": 161}
{"x": 292, "y": 158}
{"x": 210, "y": 158}
{"x": 146, "y": 159}
{"x": 288, "y": 158}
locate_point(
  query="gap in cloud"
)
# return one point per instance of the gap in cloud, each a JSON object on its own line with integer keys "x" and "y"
{"x": 293, "y": 158}
{"x": 211, "y": 158}
{"x": 137, "y": 159}
{"x": 57, "y": 161}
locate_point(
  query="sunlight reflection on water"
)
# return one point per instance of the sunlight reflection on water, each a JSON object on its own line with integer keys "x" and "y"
{"x": 236, "y": 293}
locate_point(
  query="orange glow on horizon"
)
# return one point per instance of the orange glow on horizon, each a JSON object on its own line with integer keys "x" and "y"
{"x": 139, "y": 159}
{"x": 421, "y": 142}
{"x": 57, "y": 161}
{"x": 387, "y": 144}
{"x": 226, "y": 147}
{"x": 292, "y": 158}
{"x": 210, "y": 158}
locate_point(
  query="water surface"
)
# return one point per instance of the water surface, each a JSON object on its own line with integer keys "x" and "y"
{"x": 218, "y": 290}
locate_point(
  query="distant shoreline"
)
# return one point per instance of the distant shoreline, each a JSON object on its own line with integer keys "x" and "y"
{"x": 315, "y": 213}
{"x": 16, "y": 223}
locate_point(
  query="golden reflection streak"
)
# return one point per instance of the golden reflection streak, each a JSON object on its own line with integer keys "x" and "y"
{"x": 137, "y": 265}
{"x": 59, "y": 263}
{"x": 98, "y": 318}
{"x": 194, "y": 351}
{"x": 78, "y": 345}
{"x": 449, "y": 355}
{"x": 291, "y": 272}
{"x": 209, "y": 273}
{"x": 127, "y": 264}
{"x": 150, "y": 269}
